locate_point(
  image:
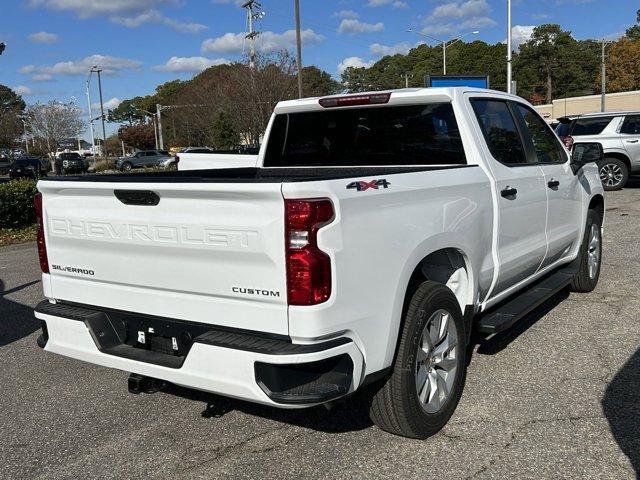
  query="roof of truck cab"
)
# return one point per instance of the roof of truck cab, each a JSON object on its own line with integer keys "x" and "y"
{"x": 398, "y": 97}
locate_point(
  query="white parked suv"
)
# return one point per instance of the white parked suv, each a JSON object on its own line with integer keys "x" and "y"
{"x": 619, "y": 134}
{"x": 377, "y": 233}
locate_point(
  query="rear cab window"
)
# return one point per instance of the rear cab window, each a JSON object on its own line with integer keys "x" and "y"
{"x": 425, "y": 134}
{"x": 500, "y": 130}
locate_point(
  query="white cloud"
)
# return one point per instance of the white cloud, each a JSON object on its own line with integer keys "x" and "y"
{"x": 43, "y": 37}
{"x": 154, "y": 16}
{"x": 346, "y": 14}
{"x": 381, "y": 3}
{"x": 355, "y": 62}
{"x": 22, "y": 90}
{"x": 42, "y": 77}
{"x": 461, "y": 9}
{"x": 234, "y": 43}
{"x": 189, "y": 64}
{"x": 108, "y": 105}
{"x": 108, "y": 64}
{"x": 86, "y": 9}
{"x": 520, "y": 34}
{"x": 455, "y": 17}
{"x": 351, "y": 27}
{"x": 380, "y": 50}
{"x": 130, "y": 13}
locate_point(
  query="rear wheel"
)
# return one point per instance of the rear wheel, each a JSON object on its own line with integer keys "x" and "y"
{"x": 613, "y": 173}
{"x": 586, "y": 279}
{"x": 428, "y": 376}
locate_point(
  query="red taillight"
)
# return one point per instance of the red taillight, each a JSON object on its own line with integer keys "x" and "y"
{"x": 352, "y": 100}
{"x": 42, "y": 246}
{"x": 568, "y": 142}
{"x": 308, "y": 267}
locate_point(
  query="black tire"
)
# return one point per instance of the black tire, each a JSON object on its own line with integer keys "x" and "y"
{"x": 63, "y": 171}
{"x": 126, "y": 167}
{"x": 585, "y": 280}
{"x": 613, "y": 173}
{"x": 395, "y": 406}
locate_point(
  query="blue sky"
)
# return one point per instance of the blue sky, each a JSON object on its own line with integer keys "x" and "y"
{"x": 51, "y": 44}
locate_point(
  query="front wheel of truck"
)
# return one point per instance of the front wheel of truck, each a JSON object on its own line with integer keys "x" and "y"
{"x": 428, "y": 376}
{"x": 590, "y": 255}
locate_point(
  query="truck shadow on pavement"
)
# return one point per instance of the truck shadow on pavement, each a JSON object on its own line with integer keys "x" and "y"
{"x": 621, "y": 406}
{"x": 16, "y": 320}
{"x": 349, "y": 415}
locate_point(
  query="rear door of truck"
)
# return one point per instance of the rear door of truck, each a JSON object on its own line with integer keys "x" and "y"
{"x": 203, "y": 252}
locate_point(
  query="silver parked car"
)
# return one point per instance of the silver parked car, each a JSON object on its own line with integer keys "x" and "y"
{"x": 619, "y": 134}
{"x": 141, "y": 159}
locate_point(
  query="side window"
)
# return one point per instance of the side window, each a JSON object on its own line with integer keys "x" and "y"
{"x": 547, "y": 148}
{"x": 590, "y": 126}
{"x": 500, "y": 131}
{"x": 631, "y": 125}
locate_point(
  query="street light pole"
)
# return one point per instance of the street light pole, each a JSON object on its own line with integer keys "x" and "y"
{"x": 603, "y": 75}
{"x": 445, "y": 44}
{"x": 104, "y": 132}
{"x": 298, "y": 48}
{"x": 93, "y": 137}
{"x": 509, "y": 52}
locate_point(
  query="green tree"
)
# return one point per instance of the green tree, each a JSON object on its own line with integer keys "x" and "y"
{"x": 223, "y": 132}
{"x": 549, "y": 63}
{"x": 633, "y": 33}
{"x": 129, "y": 111}
{"x": 317, "y": 83}
{"x": 11, "y": 107}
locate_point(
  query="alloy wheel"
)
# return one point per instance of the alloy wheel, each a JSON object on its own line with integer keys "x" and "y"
{"x": 611, "y": 175}
{"x": 436, "y": 361}
{"x": 593, "y": 251}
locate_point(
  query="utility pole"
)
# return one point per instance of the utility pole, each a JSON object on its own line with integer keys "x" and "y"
{"x": 603, "y": 75}
{"x": 253, "y": 13}
{"x": 93, "y": 137}
{"x": 509, "y": 52}
{"x": 159, "y": 115}
{"x": 104, "y": 131}
{"x": 406, "y": 77}
{"x": 299, "y": 48}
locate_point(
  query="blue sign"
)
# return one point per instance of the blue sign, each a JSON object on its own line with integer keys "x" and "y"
{"x": 476, "y": 81}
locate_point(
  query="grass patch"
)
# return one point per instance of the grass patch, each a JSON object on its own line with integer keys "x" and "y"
{"x": 12, "y": 236}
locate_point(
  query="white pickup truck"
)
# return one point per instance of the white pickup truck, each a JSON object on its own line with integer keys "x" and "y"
{"x": 377, "y": 233}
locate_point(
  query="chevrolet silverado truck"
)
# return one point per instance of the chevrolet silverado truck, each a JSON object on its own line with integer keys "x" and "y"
{"x": 377, "y": 233}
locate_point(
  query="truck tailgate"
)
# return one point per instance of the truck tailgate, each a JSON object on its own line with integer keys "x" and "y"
{"x": 207, "y": 252}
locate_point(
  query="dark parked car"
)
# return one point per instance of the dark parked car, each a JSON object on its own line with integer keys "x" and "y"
{"x": 27, "y": 167}
{"x": 71, "y": 162}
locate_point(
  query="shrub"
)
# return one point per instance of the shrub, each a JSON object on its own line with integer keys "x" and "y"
{"x": 16, "y": 204}
{"x": 104, "y": 165}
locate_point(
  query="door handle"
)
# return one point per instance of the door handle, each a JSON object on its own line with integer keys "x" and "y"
{"x": 553, "y": 183}
{"x": 632, "y": 141}
{"x": 509, "y": 192}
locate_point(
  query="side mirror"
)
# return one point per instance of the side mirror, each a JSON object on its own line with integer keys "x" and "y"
{"x": 583, "y": 153}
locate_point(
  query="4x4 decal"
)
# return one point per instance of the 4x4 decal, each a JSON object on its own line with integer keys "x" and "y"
{"x": 362, "y": 185}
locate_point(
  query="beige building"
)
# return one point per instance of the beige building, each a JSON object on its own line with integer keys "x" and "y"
{"x": 589, "y": 104}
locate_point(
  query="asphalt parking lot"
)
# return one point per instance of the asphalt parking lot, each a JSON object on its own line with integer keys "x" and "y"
{"x": 557, "y": 397}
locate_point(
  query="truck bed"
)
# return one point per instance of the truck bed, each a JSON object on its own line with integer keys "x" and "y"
{"x": 251, "y": 175}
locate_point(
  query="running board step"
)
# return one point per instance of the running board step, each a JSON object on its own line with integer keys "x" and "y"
{"x": 504, "y": 316}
